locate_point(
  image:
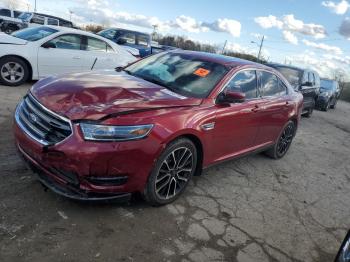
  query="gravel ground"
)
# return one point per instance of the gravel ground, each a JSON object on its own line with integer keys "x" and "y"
{"x": 251, "y": 209}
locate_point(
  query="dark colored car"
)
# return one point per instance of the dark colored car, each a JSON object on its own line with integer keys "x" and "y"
{"x": 329, "y": 94}
{"x": 151, "y": 126}
{"x": 138, "y": 40}
{"x": 304, "y": 81}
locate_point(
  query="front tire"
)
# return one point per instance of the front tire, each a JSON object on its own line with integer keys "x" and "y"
{"x": 13, "y": 71}
{"x": 284, "y": 141}
{"x": 171, "y": 173}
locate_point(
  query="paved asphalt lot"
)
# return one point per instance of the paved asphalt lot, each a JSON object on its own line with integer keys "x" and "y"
{"x": 251, "y": 209}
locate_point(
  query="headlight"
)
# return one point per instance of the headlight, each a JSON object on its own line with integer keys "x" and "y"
{"x": 114, "y": 133}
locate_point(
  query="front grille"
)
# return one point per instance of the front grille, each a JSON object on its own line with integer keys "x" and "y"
{"x": 40, "y": 123}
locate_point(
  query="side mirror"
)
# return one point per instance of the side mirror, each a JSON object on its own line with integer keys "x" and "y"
{"x": 121, "y": 41}
{"x": 48, "y": 45}
{"x": 229, "y": 97}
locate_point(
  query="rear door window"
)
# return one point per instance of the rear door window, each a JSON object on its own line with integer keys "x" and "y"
{"x": 94, "y": 44}
{"x": 245, "y": 82}
{"x": 38, "y": 20}
{"x": 129, "y": 37}
{"x": 16, "y": 14}
{"x": 143, "y": 40}
{"x": 69, "y": 41}
{"x": 271, "y": 85}
{"x": 5, "y": 12}
{"x": 52, "y": 21}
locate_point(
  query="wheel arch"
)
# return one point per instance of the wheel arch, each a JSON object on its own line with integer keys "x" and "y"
{"x": 30, "y": 75}
{"x": 194, "y": 138}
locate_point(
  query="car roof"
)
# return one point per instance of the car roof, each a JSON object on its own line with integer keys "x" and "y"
{"x": 228, "y": 61}
{"x": 51, "y": 16}
{"x": 73, "y": 30}
{"x": 123, "y": 29}
{"x": 287, "y": 66}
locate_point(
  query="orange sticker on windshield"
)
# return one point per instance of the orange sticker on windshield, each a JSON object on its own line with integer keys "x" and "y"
{"x": 201, "y": 72}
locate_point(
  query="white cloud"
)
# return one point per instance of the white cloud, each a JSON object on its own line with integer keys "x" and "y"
{"x": 234, "y": 47}
{"x": 340, "y": 9}
{"x": 324, "y": 47}
{"x": 291, "y": 24}
{"x": 16, "y": 4}
{"x": 325, "y": 65}
{"x": 230, "y": 26}
{"x": 98, "y": 11}
{"x": 268, "y": 22}
{"x": 290, "y": 37}
{"x": 258, "y": 36}
{"x": 344, "y": 29}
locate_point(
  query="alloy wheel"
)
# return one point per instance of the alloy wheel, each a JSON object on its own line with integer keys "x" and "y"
{"x": 285, "y": 139}
{"x": 174, "y": 173}
{"x": 12, "y": 72}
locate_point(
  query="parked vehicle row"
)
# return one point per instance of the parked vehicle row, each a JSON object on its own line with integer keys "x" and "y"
{"x": 9, "y": 20}
{"x": 13, "y": 20}
{"x": 151, "y": 126}
{"x": 43, "y": 51}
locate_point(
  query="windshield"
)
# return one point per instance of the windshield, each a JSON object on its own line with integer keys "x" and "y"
{"x": 25, "y": 16}
{"x": 292, "y": 75}
{"x": 180, "y": 73}
{"x": 35, "y": 33}
{"x": 327, "y": 84}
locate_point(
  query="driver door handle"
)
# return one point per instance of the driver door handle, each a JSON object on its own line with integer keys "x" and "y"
{"x": 76, "y": 57}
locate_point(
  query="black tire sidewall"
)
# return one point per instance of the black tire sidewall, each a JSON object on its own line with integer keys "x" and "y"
{"x": 275, "y": 148}
{"x": 149, "y": 192}
{"x": 16, "y": 60}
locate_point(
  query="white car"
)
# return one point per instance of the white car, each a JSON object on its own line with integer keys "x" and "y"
{"x": 38, "y": 52}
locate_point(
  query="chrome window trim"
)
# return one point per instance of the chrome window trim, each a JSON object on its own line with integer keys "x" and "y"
{"x": 258, "y": 82}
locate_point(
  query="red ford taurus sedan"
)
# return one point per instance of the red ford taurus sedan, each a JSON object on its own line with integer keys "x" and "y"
{"x": 151, "y": 126}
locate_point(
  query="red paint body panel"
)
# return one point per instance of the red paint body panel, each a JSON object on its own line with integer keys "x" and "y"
{"x": 103, "y": 96}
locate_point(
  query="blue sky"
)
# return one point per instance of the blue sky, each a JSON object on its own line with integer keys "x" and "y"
{"x": 300, "y": 32}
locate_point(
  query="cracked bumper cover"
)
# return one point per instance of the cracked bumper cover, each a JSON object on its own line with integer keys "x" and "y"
{"x": 68, "y": 190}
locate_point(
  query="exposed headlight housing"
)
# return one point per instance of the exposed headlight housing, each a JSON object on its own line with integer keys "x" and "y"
{"x": 325, "y": 94}
{"x": 114, "y": 133}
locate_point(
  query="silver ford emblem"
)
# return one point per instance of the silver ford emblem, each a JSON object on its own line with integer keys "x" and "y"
{"x": 33, "y": 118}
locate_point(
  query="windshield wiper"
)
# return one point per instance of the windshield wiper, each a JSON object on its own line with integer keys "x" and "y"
{"x": 120, "y": 68}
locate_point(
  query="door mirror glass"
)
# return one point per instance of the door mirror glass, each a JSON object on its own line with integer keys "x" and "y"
{"x": 229, "y": 97}
{"x": 49, "y": 45}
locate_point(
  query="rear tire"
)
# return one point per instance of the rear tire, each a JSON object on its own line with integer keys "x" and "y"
{"x": 326, "y": 106}
{"x": 171, "y": 173}
{"x": 309, "y": 112}
{"x": 284, "y": 141}
{"x": 13, "y": 71}
{"x": 335, "y": 105}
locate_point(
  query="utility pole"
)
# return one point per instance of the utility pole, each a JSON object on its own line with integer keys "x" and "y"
{"x": 70, "y": 15}
{"x": 223, "y": 49}
{"x": 35, "y": 6}
{"x": 261, "y": 45}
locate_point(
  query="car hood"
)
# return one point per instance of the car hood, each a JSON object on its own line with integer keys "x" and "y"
{"x": 98, "y": 95}
{"x": 8, "y": 39}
